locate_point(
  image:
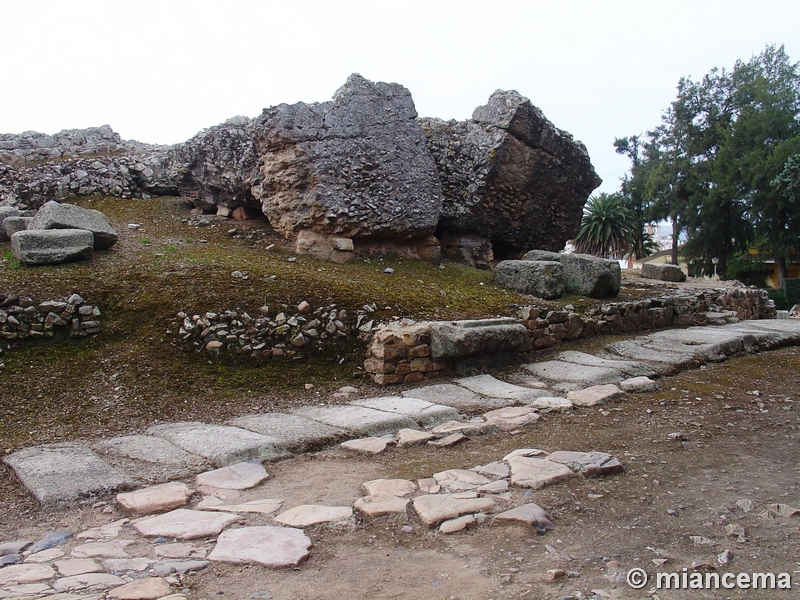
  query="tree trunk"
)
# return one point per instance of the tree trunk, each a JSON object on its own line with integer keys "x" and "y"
{"x": 781, "y": 262}
{"x": 675, "y": 235}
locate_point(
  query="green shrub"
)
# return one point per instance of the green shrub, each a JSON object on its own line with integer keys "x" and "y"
{"x": 747, "y": 270}
{"x": 791, "y": 291}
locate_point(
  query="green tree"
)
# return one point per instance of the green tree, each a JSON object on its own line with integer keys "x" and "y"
{"x": 710, "y": 165}
{"x": 608, "y": 227}
{"x": 784, "y": 240}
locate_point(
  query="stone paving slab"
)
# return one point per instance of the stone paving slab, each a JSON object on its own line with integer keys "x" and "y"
{"x": 185, "y": 524}
{"x": 423, "y": 412}
{"x": 239, "y": 476}
{"x": 435, "y": 508}
{"x": 299, "y": 434}
{"x": 221, "y": 444}
{"x": 488, "y": 386}
{"x": 456, "y": 397}
{"x": 597, "y": 394}
{"x": 313, "y": 514}
{"x": 273, "y": 547}
{"x": 59, "y": 473}
{"x": 357, "y": 420}
{"x": 628, "y": 368}
{"x": 157, "y": 498}
{"x": 537, "y": 473}
{"x": 152, "y": 459}
{"x": 567, "y": 376}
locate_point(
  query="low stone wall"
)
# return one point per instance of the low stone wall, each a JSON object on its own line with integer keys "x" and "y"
{"x": 400, "y": 352}
{"x": 21, "y": 318}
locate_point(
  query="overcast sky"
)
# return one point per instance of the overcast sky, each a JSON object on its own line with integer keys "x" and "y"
{"x": 159, "y": 71}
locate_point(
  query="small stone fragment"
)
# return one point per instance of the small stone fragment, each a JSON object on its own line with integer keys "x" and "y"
{"x": 745, "y": 504}
{"x": 638, "y": 385}
{"x": 157, "y": 498}
{"x": 448, "y": 441}
{"x": 433, "y": 509}
{"x": 370, "y": 445}
{"x": 391, "y": 487}
{"x": 594, "y": 395}
{"x": 50, "y": 540}
{"x": 458, "y": 524}
{"x": 554, "y": 574}
{"x": 240, "y": 476}
{"x": 588, "y": 464}
{"x": 536, "y": 473}
{"x": 526, "y": 452}
{"x": 13, "y": 547}
{"x": 725, "y": 557}
{"x": 311, "y": 514}
{"x": 381, "y": 504}
{"x": 411, "y": 437}
{"x": 531, "y": 515}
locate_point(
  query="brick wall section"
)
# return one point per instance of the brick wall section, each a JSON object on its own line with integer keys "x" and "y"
{"x": 400, "y": 352}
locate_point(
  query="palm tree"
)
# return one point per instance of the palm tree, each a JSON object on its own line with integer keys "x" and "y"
{"x": 607, "y": 228}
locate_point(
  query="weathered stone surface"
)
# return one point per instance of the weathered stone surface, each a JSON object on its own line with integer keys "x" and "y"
{"x": 456, "y": 525}
{"x": 536, "y": 473}
{"x": 486, "y": 385}
{"x": 512, "y": 417}
{"x": 45, "y": 247}
{"x": 587, "y": 275}
{"x": 588, "y": 464}
{"x": 157, "y": 498}
{"x": 412, "y": 437}
{"x": 434, "y": 509}
{"x": 64, "y": 472}
{"x": 311, "y": 514}
{"x": 448, "y": 441}
{"x": 50, "y": 540}
{"x": 662, "y": 272}
{"x": 391, "y": 487}
{"x": 87, "y": 581}
{"x": 68, "y": 216}
{"x": 370, "y": 445}
{"x": 77, "y": 566}
{"x": 472, "y": 427}
{"x": 184, "y": 524}
{"x": 357, "y": 420}
{"x": 180, "y": 550}
{"x": 12, "y": 225}
{"x": 13, "y": 547}
{"x": 569, "y": 376}
{"x": 7, "y": 212}
{"x": 266, "y": 506}
{"x": 240, "y": 476}
{"x": 542, "y": 255}
{"x": 107, "y": 549}
{"x": 299, "y": 434}
{"x": 221, "y": 444}
{"x": 149, "y": 588}
{"x": 531, "y": 515}
{"x": 273, "y": 547}
{"x": 543, "y": 279}
{"x": 45, "y": 556}
{"x": 493, "y": 469}
{"x": 495, "y": 487}
{"x": 378, "y": 505}
{"x": 150, "y": 449}
{"x": 460, "y": 480}
{"x": 27, "y": 573}
{"x": 551, "y": 403}
{"x": 638, "y": 384}
{"x": 597, "y": 394}
{"x": 631, "y": 368}
{"x": 122, "y": 565}
{"x": 456, "y": 397}
{"x": 457, "y": 340}
{"x": 423, "y": 412}
{"x": 510, "y": 176}
{"x": 167, "y": 567}
{"x": 104, "y": 532}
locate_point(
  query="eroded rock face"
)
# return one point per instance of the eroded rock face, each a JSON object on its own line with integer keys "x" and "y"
{"x": 509, "y": 175}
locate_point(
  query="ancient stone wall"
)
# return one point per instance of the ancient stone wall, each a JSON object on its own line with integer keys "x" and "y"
{"x": 21, "y": 318}
{"x": 400, "y": 352}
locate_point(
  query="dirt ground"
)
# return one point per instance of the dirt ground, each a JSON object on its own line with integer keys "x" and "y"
{"x": 709, "y": 438}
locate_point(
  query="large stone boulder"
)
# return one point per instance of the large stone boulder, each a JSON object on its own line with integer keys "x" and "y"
{"x": 587, "y": 275}
{"x": 662, "y": 272}
{"x": 6, "y": 212}
{"x": 542, "y": 255}
{"x": 543, "y": 279}
{"x": 356, "y": 167}
{"x": 511, "y": 176}
{"x": 50, "y": 246}
{"x": 458, "y": 340}
{"x": 68, "y": 216}
{"x": 12, "y": 225}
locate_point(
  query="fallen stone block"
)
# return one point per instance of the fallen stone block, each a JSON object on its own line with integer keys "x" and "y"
{"x": 51, "y": 247}
{"x": 543, "y": 279}
{"x": 53, "y": 215}
{"x": 6, "y": 212}
{"x": 458, "y": 340}
{"x": 12, "y": 225}
{"x": 662, "y": 272}
{"x": 587, "y": 275}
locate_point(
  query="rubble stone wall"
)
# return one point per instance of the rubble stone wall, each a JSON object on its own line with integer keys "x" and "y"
{"x": 400, "y": 352}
